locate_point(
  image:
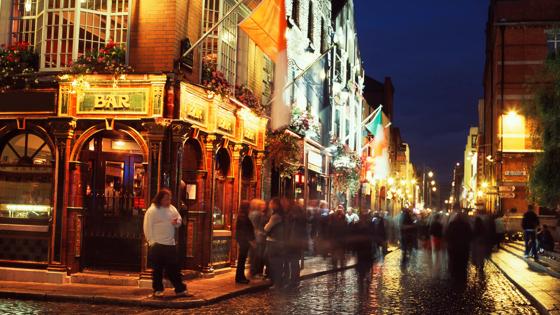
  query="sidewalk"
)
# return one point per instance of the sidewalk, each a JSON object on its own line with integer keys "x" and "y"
{"x": 206, "y": 291}
{"x": 540, "y": 287}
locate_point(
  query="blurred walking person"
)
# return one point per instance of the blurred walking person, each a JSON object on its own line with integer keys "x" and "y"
{"x": 436, "y": 240}
{"x": 458, "y": 237}
{"x": 480, "y": 244}
{"x": 275, "y": 237}
{"x": 362, "y": 240}
{"x": 500, "y": 230}
{"x": 338, "y": 234}
{"x": 245, "y": 237}
{"x": 258, "y": 216}
{"x": 408, "y": 235}
{"x": 296, "y": 242}
{"x": 379, "y": 235}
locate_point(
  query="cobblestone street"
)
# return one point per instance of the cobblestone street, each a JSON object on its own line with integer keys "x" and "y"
{"x": 391, "y": 291}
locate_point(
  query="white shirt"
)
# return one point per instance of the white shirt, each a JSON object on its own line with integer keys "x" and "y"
{"x": 158, "y": 225}
{"x": 352, "y": 218}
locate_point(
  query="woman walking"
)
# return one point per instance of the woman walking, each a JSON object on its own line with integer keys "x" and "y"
{"x": 245, "y": 237}
{"x": 274, "y": 229}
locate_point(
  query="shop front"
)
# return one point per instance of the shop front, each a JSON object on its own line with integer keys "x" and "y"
{"x": 222, "y": 158}
{"x": 317, "y": 178}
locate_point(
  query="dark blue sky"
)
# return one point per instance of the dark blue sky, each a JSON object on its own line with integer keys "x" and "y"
{"x": 434, "y": 52}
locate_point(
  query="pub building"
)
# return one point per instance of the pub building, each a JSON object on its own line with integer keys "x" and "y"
{"x": 81, "y": 156}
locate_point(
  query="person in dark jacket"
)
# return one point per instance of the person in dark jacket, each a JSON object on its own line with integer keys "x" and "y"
{"x": 245, "y": 237}
{"x": 546, "y": 241}
{"x": 529, "y": 224}
{"x": 458, "y": 237}
{"x": 408, "y": 235}
{"x": 275, "y": 242}
{"x": 296, "y": 241}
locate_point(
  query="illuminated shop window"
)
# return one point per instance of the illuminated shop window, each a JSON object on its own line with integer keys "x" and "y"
{"x": 62, "y": 30}
{"x": 26, "y": 170}
{"x": 512, "y": 132}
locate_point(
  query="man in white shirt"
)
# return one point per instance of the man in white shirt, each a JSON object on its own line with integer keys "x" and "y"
{"x": 351, "y": 217}
{"x": 160, "y": 222}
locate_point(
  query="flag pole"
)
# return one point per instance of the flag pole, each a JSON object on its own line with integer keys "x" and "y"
{"x": 300, "y": 75}
{"x": 364, "y": 122}
{"x": 203, "y": 37}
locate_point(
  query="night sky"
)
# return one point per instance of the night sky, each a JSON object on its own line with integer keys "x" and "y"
{"x": 434, "y": 52}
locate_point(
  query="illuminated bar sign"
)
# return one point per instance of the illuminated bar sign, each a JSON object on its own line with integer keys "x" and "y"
{"x": 119, "y": 100}
{"x": 225, "y": 122}
{"x": 315, "y": 161}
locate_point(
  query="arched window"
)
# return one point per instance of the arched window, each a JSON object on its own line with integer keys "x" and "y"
{"x": 26, "y": 172}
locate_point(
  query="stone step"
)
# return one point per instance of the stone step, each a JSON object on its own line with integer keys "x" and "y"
{"x": 105, "y": 279}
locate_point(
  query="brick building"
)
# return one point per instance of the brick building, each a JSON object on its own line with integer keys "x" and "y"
{"x": 519, "y": 36}
{"x": 87, "y": 152}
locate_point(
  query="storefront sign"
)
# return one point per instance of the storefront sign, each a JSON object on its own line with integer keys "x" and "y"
{"x": 225, "y": 122}
{"x": 507, "y": 195}
{"x": 507, "y": 188}
{"x": 516, "y": 173}
{"x": 119, "y": 100}
{"x": 249, "y": 133}
{"x": 32, "y": 102}
{"x": 315, "y": 162}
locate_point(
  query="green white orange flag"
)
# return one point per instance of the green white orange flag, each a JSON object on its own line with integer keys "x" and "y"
{"x": 266, "y": 26}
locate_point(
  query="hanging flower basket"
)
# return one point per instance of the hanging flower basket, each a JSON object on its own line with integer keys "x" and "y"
{"x": 303, "y": 122}
{"x": 18, "y": 64}
{"x": 347, "y": 165}
{"x": 284, "y": 152}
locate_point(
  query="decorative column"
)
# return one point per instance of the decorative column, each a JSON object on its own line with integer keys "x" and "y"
{"x": 179, "y": 133}
{"x": 155, "y": 135}
{"x": 259, "y": 165}
{"x": 62, "y": 130}
{"x": 236, "y": 171}
{"x": 210, "y": 152}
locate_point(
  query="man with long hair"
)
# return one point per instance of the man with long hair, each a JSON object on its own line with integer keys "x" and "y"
{"x": 160, "y": 222}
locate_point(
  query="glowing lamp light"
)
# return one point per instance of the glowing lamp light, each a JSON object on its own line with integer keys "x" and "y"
{"x": 27, "y": 5}
{"x": 433, "y": 182}
{"x": 434, "y": 188}
{"x": 485, "y": 185}
{"x": 430, "y": 174}
{"x": 479, "y": 193}
{"x": 300, "y": 178}
{"x": 413, "y": 181}
{"x": 391, "y": 181}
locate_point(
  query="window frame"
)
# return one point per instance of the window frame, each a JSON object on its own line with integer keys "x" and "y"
{"x": 49, "y": 19}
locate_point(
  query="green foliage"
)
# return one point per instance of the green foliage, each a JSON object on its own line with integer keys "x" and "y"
{"x": 544, "y": 183}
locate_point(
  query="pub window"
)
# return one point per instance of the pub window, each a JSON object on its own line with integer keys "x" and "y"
{"x": 62, "y": 30}
{"x": 26, "y": 170}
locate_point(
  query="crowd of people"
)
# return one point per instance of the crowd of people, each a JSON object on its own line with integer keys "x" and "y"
{"x": 276, "y": 236}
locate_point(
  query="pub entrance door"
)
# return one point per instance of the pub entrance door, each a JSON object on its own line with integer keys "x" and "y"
{"x": 115, "y": 184}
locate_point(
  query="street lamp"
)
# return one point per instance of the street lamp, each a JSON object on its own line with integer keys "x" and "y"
{"x": 434, "y": 188}
{"x": 430, "y": 174}
{"x": 433, "y": 182}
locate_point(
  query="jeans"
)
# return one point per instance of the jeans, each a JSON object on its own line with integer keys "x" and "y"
{"x": 257, "y": 259}
{"x": 164, "y": 257}
{"x": 241, "y": 259}
{"x": 275, "y": 255}
{"x": 531, "y": 243}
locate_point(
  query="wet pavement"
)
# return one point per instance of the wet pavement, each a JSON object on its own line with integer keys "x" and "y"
{"x": 390, "y": 291}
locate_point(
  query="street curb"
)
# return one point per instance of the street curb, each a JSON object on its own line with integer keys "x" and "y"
{"x": 535, "y": 265}
{"x": 105, "y": 300}
{"x": 540, "y": 307}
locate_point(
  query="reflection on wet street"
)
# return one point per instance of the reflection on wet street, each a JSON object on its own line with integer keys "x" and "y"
{"x": 390, "y": 291}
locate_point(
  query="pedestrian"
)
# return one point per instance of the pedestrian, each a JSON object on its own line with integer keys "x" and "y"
{"x": 363, "y": 248}
{"x": 321, "y": 240}
{"x": 458, "y": 237}
{"x": 160, "y": 222}
{"x": 436, "y": 240}
{"x": 351, "y": 216}
{"x": 258, "y": 216}
{"x": 408, "y": 235}
{"x": 379, "y": 235}
{"x": 546, "y": 241}
{"x": 245, "y": 237}
{"x": 274, "y": 229}
{"x": 529, "y": 224}
{"x": 479, "y": 245}
{"x": 500, "y": 230}
{"x": 296, "y": 241}
{"x": 338, "y": 234}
